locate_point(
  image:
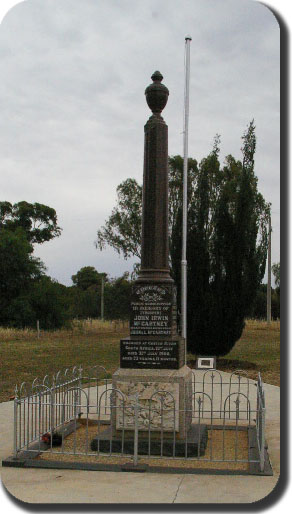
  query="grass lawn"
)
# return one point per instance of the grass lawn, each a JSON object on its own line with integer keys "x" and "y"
{"x": 23, "y": 356}
{"x": 258, "y": 349}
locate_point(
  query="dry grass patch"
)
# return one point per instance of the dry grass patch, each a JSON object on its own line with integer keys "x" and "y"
{"x": 23, "y": 356}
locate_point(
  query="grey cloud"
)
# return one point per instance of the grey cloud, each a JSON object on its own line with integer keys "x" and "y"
{"x": 73, "y": 76}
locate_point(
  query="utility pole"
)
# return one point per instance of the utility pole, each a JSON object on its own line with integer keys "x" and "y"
{"x": 102, "y": 298}
{"x": 269, "y": 275}
{"x": 185, "y": 198}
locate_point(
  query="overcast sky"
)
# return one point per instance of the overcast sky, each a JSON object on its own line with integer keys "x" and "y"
{"x": 73, "y": 75}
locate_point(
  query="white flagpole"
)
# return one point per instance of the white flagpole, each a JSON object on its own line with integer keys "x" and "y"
{"x": 185, "y": 199}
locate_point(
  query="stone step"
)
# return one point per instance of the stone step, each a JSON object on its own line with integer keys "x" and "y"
{"x": 194, "y": 446}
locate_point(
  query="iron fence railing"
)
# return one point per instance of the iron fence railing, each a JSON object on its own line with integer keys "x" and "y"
{"x": 45, "y": 405}
{"x": 60, "y": 405}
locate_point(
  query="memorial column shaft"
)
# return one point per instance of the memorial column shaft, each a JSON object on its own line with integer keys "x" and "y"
{"x": 155, "y": 247}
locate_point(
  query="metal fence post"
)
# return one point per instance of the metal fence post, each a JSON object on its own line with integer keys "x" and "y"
{"x": 15, "y": 427}
{"x": 40, "y": 418}
{"x": 136, "y": 414}
{"x": 262, "y": 442}
{"x": 79, "y": 390}
{"x": 53, "y": 401}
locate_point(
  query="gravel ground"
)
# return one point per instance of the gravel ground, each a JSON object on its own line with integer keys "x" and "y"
{"x": 79, "y": 443}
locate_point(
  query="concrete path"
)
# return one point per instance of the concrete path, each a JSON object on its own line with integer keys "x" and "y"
{"x": 66, "y": 486}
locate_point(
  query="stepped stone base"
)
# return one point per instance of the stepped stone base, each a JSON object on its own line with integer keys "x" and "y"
{"x": 195, "y": 445}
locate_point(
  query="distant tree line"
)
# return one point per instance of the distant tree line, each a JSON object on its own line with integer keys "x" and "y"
{"x": 84, "y": 297}
{"x": 27, "y": 294}
{"x": 259, "y": 308}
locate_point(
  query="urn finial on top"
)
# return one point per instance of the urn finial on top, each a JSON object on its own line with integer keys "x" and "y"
{"x": 156, "y": 94}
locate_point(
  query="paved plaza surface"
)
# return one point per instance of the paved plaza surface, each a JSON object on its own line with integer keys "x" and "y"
{"x": 74, "y": 486}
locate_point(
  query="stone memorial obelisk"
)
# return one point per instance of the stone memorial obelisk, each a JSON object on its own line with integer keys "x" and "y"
{"x": 152, "y": 359}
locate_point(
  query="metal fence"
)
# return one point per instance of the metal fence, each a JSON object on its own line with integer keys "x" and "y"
{"x": 211, "y": 385}
{"x": 48, "y": 404}
{"x": 101, "y": 422}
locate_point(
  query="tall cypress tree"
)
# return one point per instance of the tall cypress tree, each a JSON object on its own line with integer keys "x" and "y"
{"x": 226, "y": 251}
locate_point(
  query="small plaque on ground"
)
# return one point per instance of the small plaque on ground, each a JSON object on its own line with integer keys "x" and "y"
{"x": 206, "y": 363}
{"x": 151, "y": 310}
{"x": 149, "y": 354}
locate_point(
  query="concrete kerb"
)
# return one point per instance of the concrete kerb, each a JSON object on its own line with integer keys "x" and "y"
{"x": 69, "y": 486}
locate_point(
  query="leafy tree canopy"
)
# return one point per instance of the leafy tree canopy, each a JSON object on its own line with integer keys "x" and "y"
{"x": 38, "y": 221}
{"x": 49, "y": 304}
{"x": 258, "y": 310}
{"x": 87, "y": 277}
{"x": 122, "y": 230}
{"x": 118, "y": 297}
{"x": 276, "y": 273}
{"x": 26, "y": 294}
{"x": 18, "y": 268}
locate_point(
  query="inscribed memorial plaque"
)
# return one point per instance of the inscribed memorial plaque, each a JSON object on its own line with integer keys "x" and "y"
{"x": 149, "y": 354}
{"x": 151, "y": 310}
